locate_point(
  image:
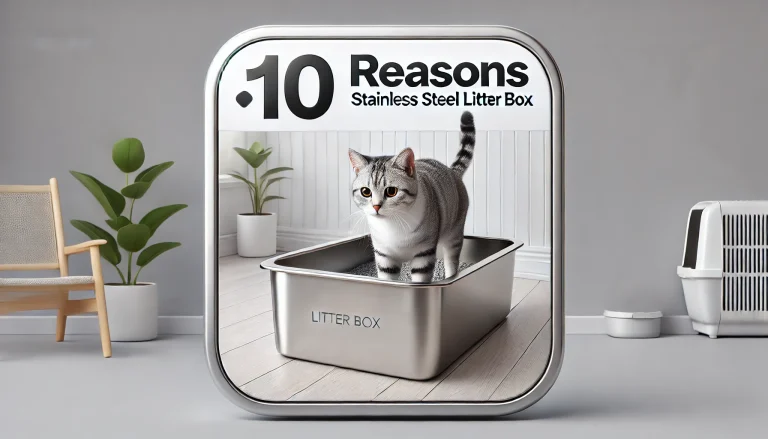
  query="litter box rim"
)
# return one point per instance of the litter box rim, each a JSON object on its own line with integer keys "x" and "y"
{"x": 273, "y": 265}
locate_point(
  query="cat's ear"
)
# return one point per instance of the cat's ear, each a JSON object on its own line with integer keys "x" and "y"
{"x": 406, "y": 161}
{"x": 358, "y": 160}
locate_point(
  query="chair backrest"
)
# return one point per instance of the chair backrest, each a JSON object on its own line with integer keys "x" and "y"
{"x": 31, "y": 229}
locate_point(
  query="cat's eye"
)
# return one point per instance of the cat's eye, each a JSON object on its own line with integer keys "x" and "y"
{"x": 390, "y": 191}
{"x": 364, "y": 191}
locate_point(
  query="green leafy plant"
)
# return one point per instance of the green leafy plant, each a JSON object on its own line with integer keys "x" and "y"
{"x": 128, "y": 156}
{"x": 256, "y": 156}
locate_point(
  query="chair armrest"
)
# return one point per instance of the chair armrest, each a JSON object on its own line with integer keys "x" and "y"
{"x": 83, "y": 247}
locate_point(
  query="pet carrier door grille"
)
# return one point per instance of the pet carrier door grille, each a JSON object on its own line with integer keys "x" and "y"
{"x": 745, "y": 262}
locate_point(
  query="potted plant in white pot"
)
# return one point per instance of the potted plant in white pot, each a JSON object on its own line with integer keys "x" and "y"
{"x": 257, "y": 229}
{"x": 131, "y": 305}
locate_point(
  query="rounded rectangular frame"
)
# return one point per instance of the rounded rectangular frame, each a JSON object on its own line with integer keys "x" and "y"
{"x": 379, "y": 409}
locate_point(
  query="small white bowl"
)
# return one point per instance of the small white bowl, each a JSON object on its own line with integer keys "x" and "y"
{"x": 633, "y": 324}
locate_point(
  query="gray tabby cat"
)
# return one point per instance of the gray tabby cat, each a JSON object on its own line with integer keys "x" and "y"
{"x": 414, "y": 206}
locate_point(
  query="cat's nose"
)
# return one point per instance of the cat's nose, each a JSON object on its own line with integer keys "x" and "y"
{"x": 376, "y": 207}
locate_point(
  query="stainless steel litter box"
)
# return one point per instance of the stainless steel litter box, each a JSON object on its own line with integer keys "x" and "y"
{"x": 408, "y": 330}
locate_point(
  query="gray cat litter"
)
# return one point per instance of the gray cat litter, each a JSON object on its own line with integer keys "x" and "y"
{"x": 369, "y": 269}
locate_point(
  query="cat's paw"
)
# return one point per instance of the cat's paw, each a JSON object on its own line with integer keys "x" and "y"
{"x": 450, "y": 269}
{"x": 421, "y": 278}
{"x": 389, "y": 276}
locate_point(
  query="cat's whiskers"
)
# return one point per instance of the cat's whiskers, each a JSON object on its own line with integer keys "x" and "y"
{"x": 402, "y": 222}
{"x": 357, "y": 212}
{"x": 361, "y": 216}
{"x": 353, "y": 216}
{"x": 398, "y": 220}
{"x": 409, "y": 218}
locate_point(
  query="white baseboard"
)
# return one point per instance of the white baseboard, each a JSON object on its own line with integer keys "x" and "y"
{"x": 79, "y": 325}
{"x": 228, "y": 245}
{"x": 290, "y": 239}
{"x": 670, "y": 325}
{"x": 533, "y": 263}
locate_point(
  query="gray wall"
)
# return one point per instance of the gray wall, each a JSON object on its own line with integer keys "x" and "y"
{"x": 666, "y": 105}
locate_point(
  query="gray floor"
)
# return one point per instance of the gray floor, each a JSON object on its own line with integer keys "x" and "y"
{"x": 685, "y": 386}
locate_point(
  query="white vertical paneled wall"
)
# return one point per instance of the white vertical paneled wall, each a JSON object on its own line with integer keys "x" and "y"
{"x": 508, "y": 184}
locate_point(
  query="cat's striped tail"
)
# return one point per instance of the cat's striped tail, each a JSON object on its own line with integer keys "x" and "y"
{"x": 464, "y": 157}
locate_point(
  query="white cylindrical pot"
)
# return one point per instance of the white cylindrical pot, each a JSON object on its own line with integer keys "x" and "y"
{"x": 132, "y": 311}
{"x": 256, "y": 235}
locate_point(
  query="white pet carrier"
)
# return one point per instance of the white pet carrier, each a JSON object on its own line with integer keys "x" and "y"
{"x": 725, "y": 268}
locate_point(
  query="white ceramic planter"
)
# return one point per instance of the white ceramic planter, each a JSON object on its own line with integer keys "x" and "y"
{"x": 256, "y": 235}
{"x": 132, "y": 311}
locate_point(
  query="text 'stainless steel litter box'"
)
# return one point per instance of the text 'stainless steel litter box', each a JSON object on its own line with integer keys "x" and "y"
{"x": 395, "y": 328}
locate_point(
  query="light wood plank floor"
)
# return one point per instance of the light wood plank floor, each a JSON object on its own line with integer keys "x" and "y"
{"x": 504, "y": 364}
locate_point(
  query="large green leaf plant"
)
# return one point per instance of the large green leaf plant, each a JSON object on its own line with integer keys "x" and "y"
{"x": 132, "y": 237}
{"x": 256, "y": 156}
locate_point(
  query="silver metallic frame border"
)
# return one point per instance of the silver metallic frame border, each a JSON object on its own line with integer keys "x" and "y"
{"x": 370, "y": 409}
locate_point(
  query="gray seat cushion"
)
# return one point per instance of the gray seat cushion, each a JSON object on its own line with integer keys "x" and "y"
{"x": 44, "y": 281}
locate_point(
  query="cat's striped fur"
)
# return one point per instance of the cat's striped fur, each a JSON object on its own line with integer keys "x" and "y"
{"x": 464, "y": 157}
{"x": 415, "y": 206}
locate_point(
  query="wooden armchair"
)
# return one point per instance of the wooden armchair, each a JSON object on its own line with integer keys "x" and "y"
{"x": 32, "y": 238}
